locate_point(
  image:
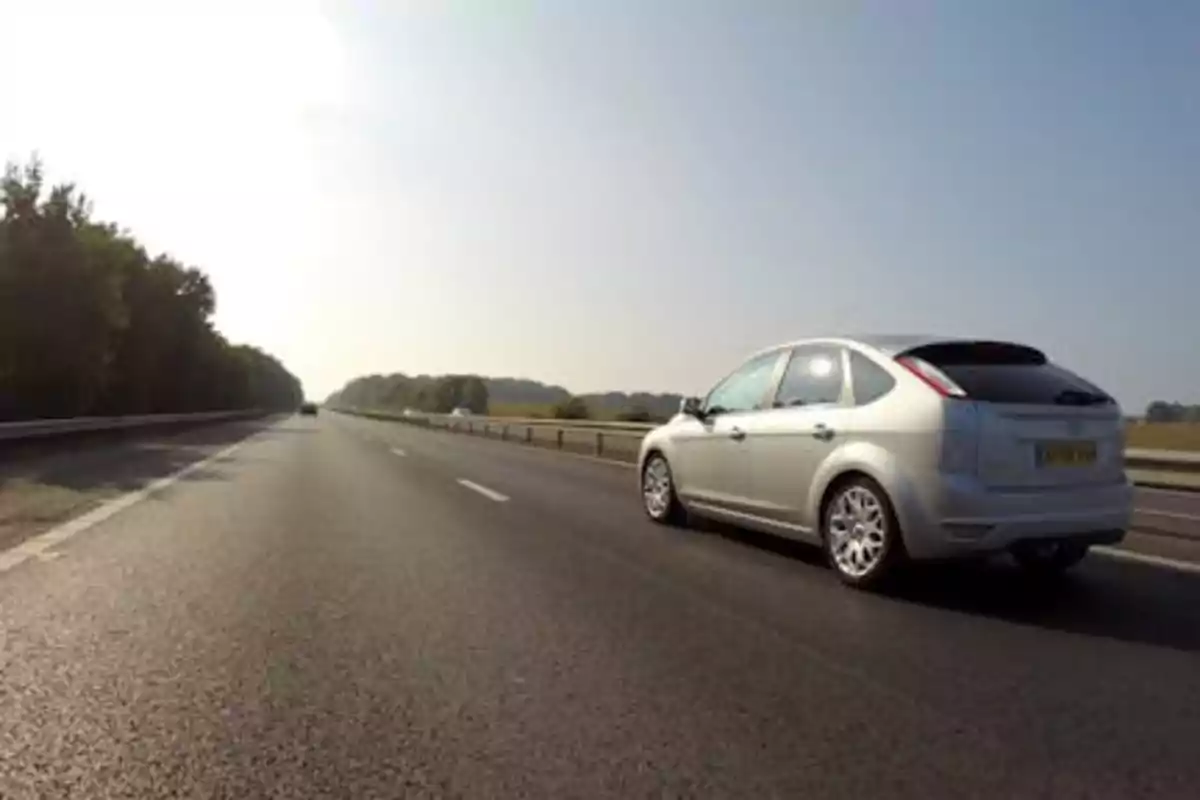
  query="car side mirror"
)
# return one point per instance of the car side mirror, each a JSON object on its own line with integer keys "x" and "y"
{"x": 691, "y": 407}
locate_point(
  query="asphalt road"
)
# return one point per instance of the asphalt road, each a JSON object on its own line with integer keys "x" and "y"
{"x": 1169, "y": 512}
{"x": 47, "y": 480}
{"x": 329, "y": 611}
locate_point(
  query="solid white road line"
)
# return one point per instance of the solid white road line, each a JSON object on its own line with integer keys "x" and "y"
{"x": 490, "y": 494}
{"x": 1146, "y": 558}
{"x": 39, "y": 545}
{"x": 398, "y": 451}
{"x": 1172, "y": 492}
{"x": 1171, "y": 514}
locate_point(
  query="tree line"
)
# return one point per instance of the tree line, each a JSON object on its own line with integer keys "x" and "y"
{"x": 1162, "y": 411}
{"x": 90, "y": 323}
{"x": 441, "y": 394}
{"x": 576, "y": 407}
{"x": 432, "y": 394}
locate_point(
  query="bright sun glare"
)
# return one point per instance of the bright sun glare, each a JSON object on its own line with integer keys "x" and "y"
{"x": 172, "y": 112}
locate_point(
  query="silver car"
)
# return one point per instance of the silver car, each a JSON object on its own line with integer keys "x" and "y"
{"x": 882, "y": 449}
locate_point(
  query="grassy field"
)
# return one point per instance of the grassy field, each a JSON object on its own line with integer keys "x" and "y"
{"x": 1164, "y": 435}
{"x": 522, "y": 410}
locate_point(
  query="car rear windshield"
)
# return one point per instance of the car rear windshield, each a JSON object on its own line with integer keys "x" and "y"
{"x": 1001, "y": 372}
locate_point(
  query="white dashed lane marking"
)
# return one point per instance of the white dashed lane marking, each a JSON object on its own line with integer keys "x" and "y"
{"x": 1168, "y": 514}
{"x": 490, "y": 494}
{"x": 1146, "y": 558}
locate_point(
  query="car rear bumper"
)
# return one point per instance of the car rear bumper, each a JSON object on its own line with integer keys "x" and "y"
{"x": 964, "y": 518}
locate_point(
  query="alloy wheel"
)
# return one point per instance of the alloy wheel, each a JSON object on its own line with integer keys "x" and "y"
{"x": 657, "y": 494}
{"x": 857, "y": 528}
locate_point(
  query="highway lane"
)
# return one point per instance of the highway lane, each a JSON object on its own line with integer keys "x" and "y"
{"x": 1171, "y": 512}
{"x": 330, "y": 612}
{"x": 1178, "y": 502}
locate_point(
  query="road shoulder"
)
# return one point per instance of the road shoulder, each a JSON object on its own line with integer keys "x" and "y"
{"x": 42, "y": 488}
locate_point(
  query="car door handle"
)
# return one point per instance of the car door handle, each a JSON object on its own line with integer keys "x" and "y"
{"x": 737, "y": 434}
{"x": 822, "y": 431}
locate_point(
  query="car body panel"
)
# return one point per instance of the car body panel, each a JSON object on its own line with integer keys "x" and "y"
{"x": 713, "y": 466}
{"x": 786, "y": 454}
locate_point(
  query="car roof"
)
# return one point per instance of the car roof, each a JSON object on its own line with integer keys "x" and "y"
{"x": 890, "y": 344}
{"x": 895, "y": 343}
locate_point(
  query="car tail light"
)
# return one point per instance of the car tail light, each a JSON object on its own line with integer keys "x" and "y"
{"x": 932, "y": 377}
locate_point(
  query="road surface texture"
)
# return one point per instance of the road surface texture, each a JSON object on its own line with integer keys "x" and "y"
{"x": 352, "y": 609}
{"x": 46, "y": 480}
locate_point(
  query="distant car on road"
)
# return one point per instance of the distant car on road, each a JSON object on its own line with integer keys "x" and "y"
{"x": 461, "y": 411}
{"x": 308, "y": 409}
{"x": 887, "y": 448}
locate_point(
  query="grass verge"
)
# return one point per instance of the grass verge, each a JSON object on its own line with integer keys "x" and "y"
{"x": 1164, "y": 435}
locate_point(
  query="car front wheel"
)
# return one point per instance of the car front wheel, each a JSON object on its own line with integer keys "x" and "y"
{"x": 658, "y": 492}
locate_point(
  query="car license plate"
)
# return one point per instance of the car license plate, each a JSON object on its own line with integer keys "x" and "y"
{"x": 1066, "y": 454}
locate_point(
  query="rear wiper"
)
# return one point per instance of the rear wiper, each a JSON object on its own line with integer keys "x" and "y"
{"x": 1079, "y": 397}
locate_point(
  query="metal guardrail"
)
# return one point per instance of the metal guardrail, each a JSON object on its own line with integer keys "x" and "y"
{"x": 1174, "y": 459}
{"x": 619, "y": 441}
{"x": 640, "y": 427}
{"x": 41, "y": 428}
{"x": 444, "y": 419}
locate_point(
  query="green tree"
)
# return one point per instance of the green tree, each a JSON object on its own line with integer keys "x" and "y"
{"x": 60, "y": 307}
{"x": 1160, "y": 411}
{"x": 89, "y": 323}
{"x": 447, "y": 393}
{"x": 474, "y": 394}
{"x": 572, "y": 408}
{"x": 634, "y": 414}
{"x": 452, "y": 391}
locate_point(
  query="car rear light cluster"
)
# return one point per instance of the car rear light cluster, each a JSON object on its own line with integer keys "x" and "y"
{"x": 932, "y": 377}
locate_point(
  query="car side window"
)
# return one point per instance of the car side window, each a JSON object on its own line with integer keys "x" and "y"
{"x": 745, "y": 389}
{"x": 870, "y": 381}
{"x": 813, "y": 377}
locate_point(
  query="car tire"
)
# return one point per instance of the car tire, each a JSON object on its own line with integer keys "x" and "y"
{"x": 659, "y": 499}
{"x": 861, "y": 535}
{"x": 1048, "y": 559}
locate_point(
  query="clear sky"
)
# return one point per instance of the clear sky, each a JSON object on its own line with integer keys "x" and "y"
{"x": 633, "y": 194}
